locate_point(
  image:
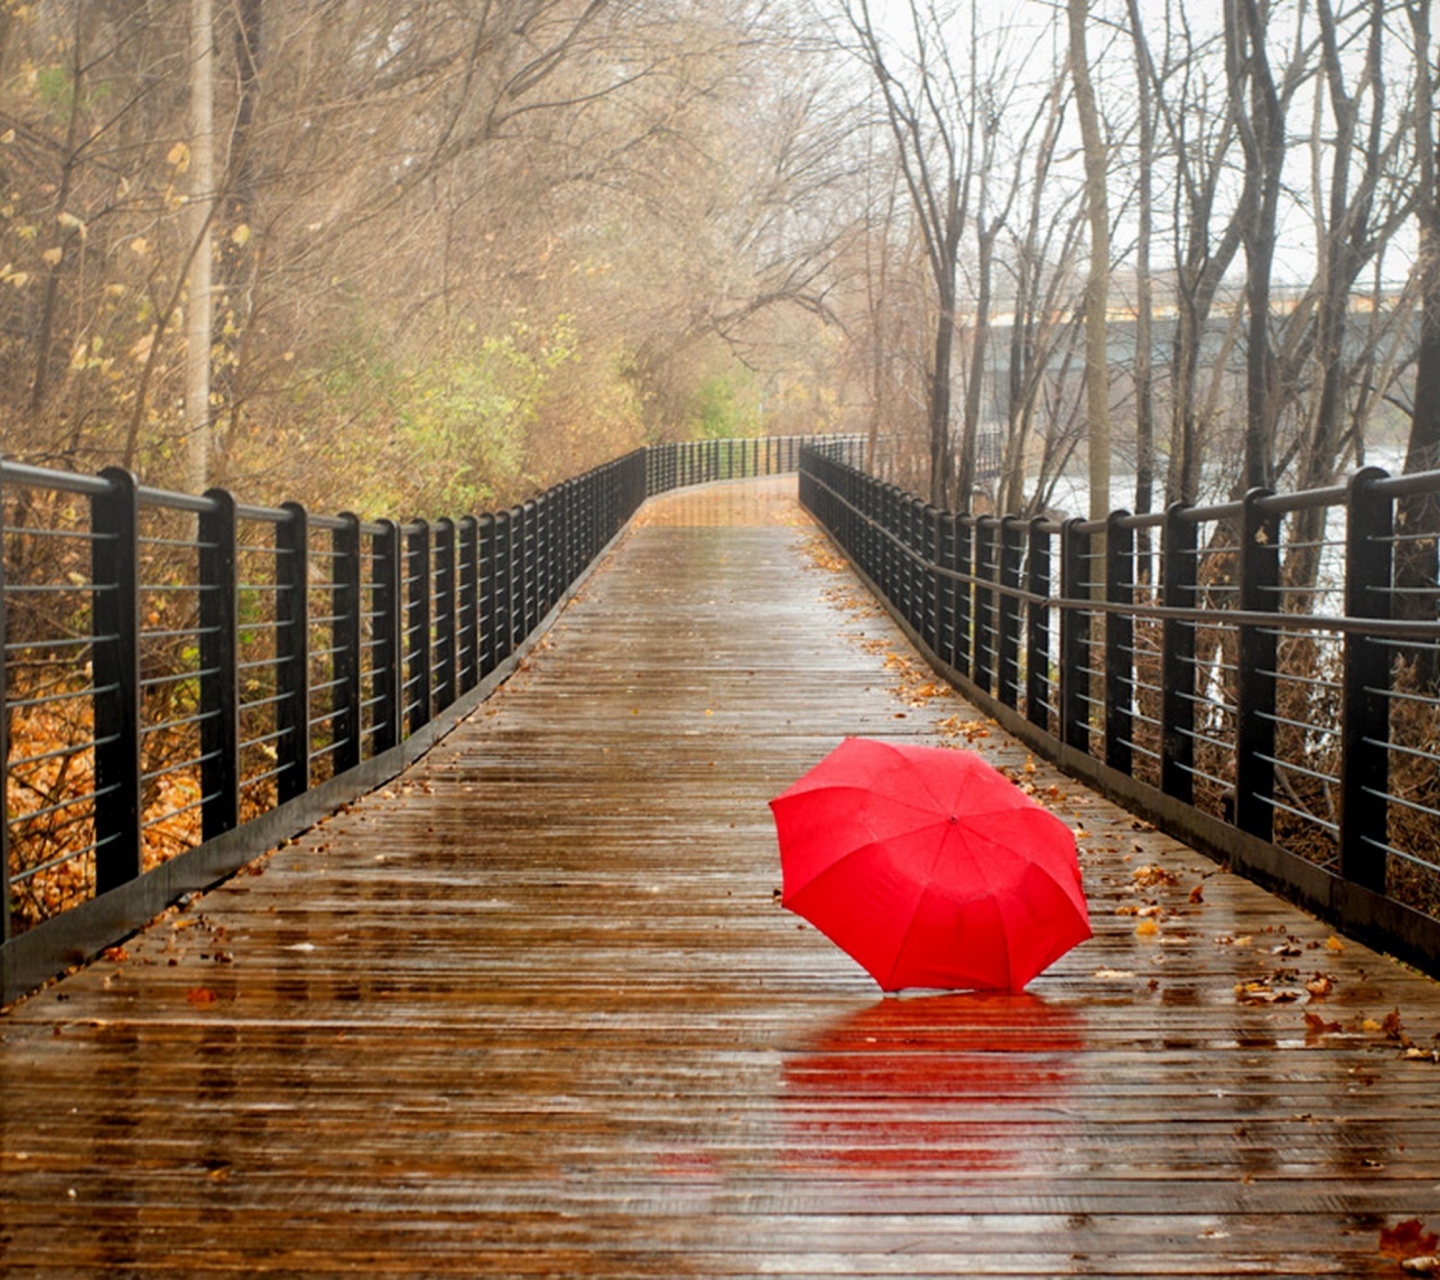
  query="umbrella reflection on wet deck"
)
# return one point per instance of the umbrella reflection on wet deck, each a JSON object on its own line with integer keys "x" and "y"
{"x": 962, "y": 1083}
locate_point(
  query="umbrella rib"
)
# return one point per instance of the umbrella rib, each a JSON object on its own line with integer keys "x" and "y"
{"x": 874, "y": 843}
{"x": 982, "y": 869}
{"x": 868, "y": 793}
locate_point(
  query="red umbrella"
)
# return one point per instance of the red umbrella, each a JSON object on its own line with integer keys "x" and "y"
{"x": 929, "y": 867}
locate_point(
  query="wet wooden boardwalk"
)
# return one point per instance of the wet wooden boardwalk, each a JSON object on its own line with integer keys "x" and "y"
{"x": 533, "y": 1010}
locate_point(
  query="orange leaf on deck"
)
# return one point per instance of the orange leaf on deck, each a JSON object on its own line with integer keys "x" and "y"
{"x": 1407, "y": 1239}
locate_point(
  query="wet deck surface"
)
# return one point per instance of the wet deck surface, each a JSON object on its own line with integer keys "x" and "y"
{"x": 533, "y": 1010}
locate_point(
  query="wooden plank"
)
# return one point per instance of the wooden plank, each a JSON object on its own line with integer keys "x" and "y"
{"x": 532, "y": 1009}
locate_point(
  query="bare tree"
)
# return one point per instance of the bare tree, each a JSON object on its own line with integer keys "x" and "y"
{"x": 1419, "y": 518}
{"x": 1097, "y": 287}
{"x": 1259, "y": 103}
{"x": 1144, "y": 282}
{"x": 1355, "y": 215}
{"x": 934, "y": 144}
{"x": 200, "y": 204}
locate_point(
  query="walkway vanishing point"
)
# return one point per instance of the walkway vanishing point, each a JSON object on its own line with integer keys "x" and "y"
{"x": 532, "y": 1010}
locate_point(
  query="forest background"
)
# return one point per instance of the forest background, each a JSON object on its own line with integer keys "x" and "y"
{"x": 457, "y": 250}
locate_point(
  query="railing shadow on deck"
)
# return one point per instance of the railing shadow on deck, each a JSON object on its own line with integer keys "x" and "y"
{"x": 1256, "y": 680}
{"x": 188, "y": 681}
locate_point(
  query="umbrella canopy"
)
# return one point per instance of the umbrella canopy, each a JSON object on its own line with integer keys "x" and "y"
{"x": 929, "y": 867}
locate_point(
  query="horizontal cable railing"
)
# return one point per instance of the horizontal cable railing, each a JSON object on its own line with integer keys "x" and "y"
{"x": 1258, "y": 677}
{"x": 188, "y": 680}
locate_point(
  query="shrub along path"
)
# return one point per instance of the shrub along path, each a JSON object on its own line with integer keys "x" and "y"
{"x": 533, "y": 1010}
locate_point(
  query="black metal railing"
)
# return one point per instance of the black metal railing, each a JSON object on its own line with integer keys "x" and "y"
{"x": 189, "y": 680}
{"x": 1263, "y": 690}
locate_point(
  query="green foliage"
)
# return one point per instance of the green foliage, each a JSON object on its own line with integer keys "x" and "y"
{"x": 465, "y": 424}
{"x": 54, "y": 87}
{"x": 720, "y": 410}
{"x": 450, "y": 434}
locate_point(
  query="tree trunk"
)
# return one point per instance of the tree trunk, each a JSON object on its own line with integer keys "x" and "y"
{"x": 1097, "y": 287}
{"x": 940, "y": 451}
{"x": 1144, "y": 294}
{"x": 197, "y": 224}
{"x": 1417, "y": 560}
{"x": 974, "y": 388}
{"x": 1260, "y": 120}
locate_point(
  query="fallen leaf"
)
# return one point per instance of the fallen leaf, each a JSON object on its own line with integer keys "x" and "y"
{"x": 1146, "y": 929}
{"x": 200, "y": 995}
{"x": 1332, "y": 943}
{"x": 1197, "y": 894}
{"x": 1407, "y": 1239}
{"x": 1320, "y": 986}
{"x": 1315, "y": 1025}
{"x": 1263, "y": 993}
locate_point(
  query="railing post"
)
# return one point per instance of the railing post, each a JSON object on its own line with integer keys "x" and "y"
{"x": 446, "y": 664}
{"x": 542, "y": 557}
{"x": 468, "y": 641}
{"x": 909, "y": 567}
{"x": 555, "y": 508}
{"x": 347, "y": 640}
{"x": 895, "y": 521}
{"x": 219, "y": 667}
{"x": 500, "y": 593}
{"x": 929, "y": 547}
{"x": 1365, "y": 722}
{"x": 521, "y": 534}
{"x": 531, "y": 568}
{"x": 1177, "y": 662}
{"x": 1074, "y": 638}
{"x": 894, "y": 554}
{"x": 862, "y": 494}
{"x": 485, "y": 587}
{"x": 945, "y": 587}
{"x": 115, "y": 666}
{"x": 964, "y": 561}
{"x": 1037, "y": 628}
{"x": 387, "y": 665}
{"x": 983, "y": 657}
{"x": 417, "y": 624}
{"x": 1012, "y": 563}
{"x": 883, "y": 550}
{"x": 576, "y": 558}
{"x": 1119, "y": 643}
{"x": 513, "y": 591}
{"x": 1259, "y": 572}
{"x": 292, "y": 653}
